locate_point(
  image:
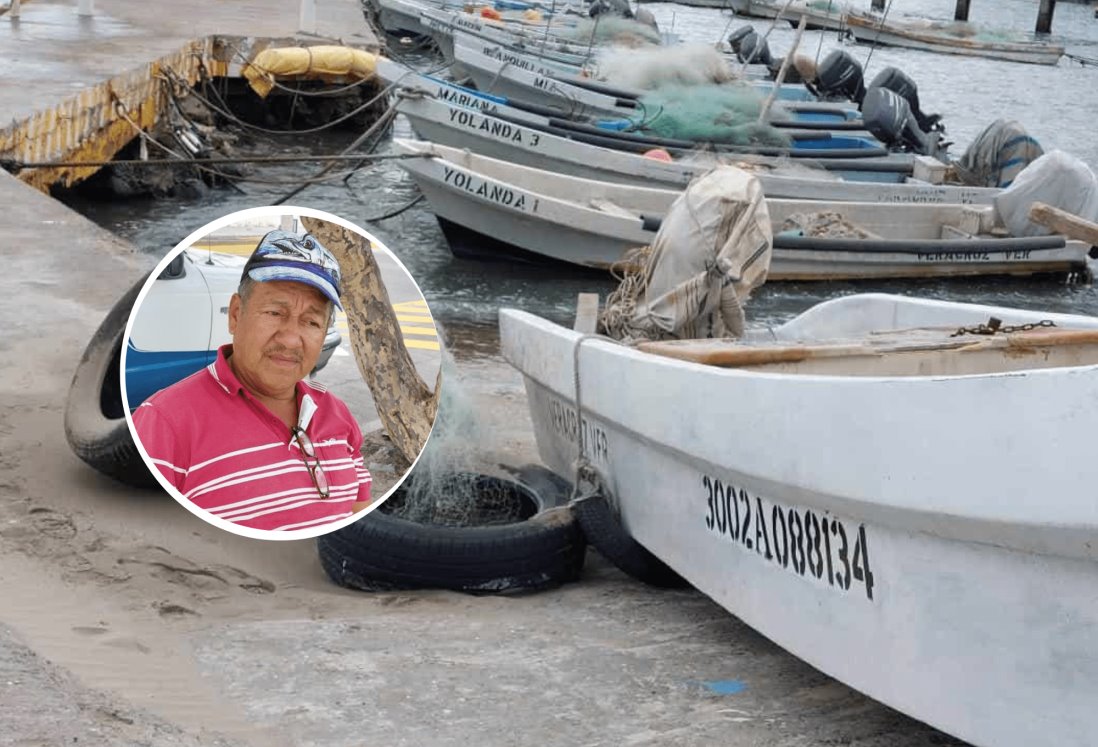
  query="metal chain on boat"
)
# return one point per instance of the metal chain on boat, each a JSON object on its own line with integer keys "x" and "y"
{"x": 995, "y": 326}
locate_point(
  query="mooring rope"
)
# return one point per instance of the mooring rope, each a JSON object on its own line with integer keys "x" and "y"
{"x": 398, "y": 211}
{"x": 819, "y": 45}
{"x": 876, "y": 39}
{"x": 181, "y": 161}
{"x": 378, "y": 126}
{"x": 758, "y": 47}
{"x": 247, "y": 125}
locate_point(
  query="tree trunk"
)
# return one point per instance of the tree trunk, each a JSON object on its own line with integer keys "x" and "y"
{"x": 405, "y": 404}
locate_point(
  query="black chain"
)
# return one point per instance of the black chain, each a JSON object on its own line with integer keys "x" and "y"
{"x": 995, "y": 326}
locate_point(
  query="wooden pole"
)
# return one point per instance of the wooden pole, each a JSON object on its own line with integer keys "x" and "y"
{"x": 1064, "y": 223}
{"x": 405, "y": 404}
{"x": 765, "y": 111}
{"x": 961, "y": 14}
{"x": 1044, "y": 16}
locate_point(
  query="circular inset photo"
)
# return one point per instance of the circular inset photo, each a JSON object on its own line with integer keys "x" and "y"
{"x": 269, "y": 359}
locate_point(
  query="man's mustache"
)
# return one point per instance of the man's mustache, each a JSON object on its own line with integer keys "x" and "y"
{"x": 284, "y": 352}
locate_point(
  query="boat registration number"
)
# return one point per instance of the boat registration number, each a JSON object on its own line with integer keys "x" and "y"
{"x": 812, "y": 544}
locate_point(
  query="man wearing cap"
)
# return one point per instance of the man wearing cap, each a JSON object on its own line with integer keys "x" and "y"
{"x": 250, "y": 438}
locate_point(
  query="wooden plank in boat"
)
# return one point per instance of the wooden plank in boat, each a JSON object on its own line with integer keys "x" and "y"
{"x": 730, "y": 353}
{"x": 1065, "y": 223}
{"x": 587, "y": 313}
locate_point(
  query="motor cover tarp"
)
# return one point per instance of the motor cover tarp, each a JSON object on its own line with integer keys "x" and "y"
{"x": 1057, "y": 179}
{"x": 713, "y": 248}
{"x": 322, "y": 62}
{"x": 998, "y": 155}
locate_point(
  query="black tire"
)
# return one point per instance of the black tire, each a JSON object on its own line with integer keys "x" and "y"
{"x": 608, "y": 536}
{"x": 383, "y": 552}
{"x": 95, "y": 424}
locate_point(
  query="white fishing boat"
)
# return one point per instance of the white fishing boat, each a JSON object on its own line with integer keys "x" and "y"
{"x": 911, "y": 513}
{"x": 404, "y": 15}
{"x": 530, "y": 38}
{"x": 823, "y": 15}
{"x": 533, "y": 81}
{"x": 951, "y": 37}
{"x": 440, "y": 113}
{"x": 493, "y": 209}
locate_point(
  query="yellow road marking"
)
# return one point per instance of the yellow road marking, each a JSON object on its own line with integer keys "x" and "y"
{"x": 422, "y": 344}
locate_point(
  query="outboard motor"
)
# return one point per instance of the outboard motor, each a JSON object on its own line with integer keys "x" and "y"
{"x": 754, "y": 49}
{"x": 896, "y": 80}
{"x": 736, "y": 37}
{"x": 610, "y": 8}
{"x": 839, "y": 77}
{"x": 888, "y": 117}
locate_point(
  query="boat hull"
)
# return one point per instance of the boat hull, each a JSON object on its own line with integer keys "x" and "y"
{"x": 454, "y": 125}
{"x": 980, "y": 615}
{"x": 513, "y": 214}
{"x": 868, "y": 31}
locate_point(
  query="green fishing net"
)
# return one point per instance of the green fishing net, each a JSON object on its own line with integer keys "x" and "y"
{"x": 612, "y": 29}
{"x": 726, "y": 113}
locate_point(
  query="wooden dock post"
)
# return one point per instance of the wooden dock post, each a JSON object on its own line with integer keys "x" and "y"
{"x": 1044, "y": 16}
{"x": 961, "y": 14}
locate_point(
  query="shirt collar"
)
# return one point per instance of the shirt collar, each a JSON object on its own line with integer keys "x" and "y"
{"x": 224, "y": 376}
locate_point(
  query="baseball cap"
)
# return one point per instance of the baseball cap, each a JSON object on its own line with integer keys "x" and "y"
{"x": 282, "y": 255}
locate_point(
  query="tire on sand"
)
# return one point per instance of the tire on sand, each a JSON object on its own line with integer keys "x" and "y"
{"x": 603, "y": 530}
{"x": 383, "y": 552}
{"x": 95, "y": 422}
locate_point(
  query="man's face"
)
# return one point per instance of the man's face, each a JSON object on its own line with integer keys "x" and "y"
{"x": 277, "y": 335}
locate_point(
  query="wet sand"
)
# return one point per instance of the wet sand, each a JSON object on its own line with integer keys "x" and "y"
{"x": 120, "y": 601}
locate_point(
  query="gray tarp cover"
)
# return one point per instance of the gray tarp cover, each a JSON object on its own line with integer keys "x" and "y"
{"x": 713, "y": 248}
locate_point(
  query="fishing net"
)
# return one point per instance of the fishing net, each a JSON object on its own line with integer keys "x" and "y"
{"x": 659, "y": 67}
{"x": 623, "y": 32}
{"x": 710, "y": 114}
{"x": 440, "y": 489}
{"x": 824, "y": 225}
{"x": 712, "y": 250}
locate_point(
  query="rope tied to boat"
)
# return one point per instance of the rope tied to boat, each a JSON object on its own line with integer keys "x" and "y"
{"x": 587, "y": 483}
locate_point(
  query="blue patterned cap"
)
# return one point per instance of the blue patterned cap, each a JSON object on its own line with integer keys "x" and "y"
{"x": 282, "y": 255}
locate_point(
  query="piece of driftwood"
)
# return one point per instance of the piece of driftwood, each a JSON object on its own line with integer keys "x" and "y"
{"x": 730, "y": 354}
{"x": 405, "y": 404}
{"x": 1065, "y": 223}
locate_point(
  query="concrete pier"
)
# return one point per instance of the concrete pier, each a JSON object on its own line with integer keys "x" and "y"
{"x": 75, "y": 88}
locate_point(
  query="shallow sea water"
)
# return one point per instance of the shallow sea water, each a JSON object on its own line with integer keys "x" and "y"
{"x": 1058, "y": 105}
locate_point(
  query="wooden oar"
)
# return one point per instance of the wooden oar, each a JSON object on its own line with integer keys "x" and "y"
{"x": 1065, "y": 223}
{"x": 728, "y": 354}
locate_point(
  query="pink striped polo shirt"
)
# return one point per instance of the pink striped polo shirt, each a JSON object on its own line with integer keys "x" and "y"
{"x": 230, "y": 455}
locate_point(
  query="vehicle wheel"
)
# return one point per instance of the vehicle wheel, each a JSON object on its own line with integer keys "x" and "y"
{"x": 608, "y": 536}
{"x": 385, "y": 551}
{"x": 95, "y": 424}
